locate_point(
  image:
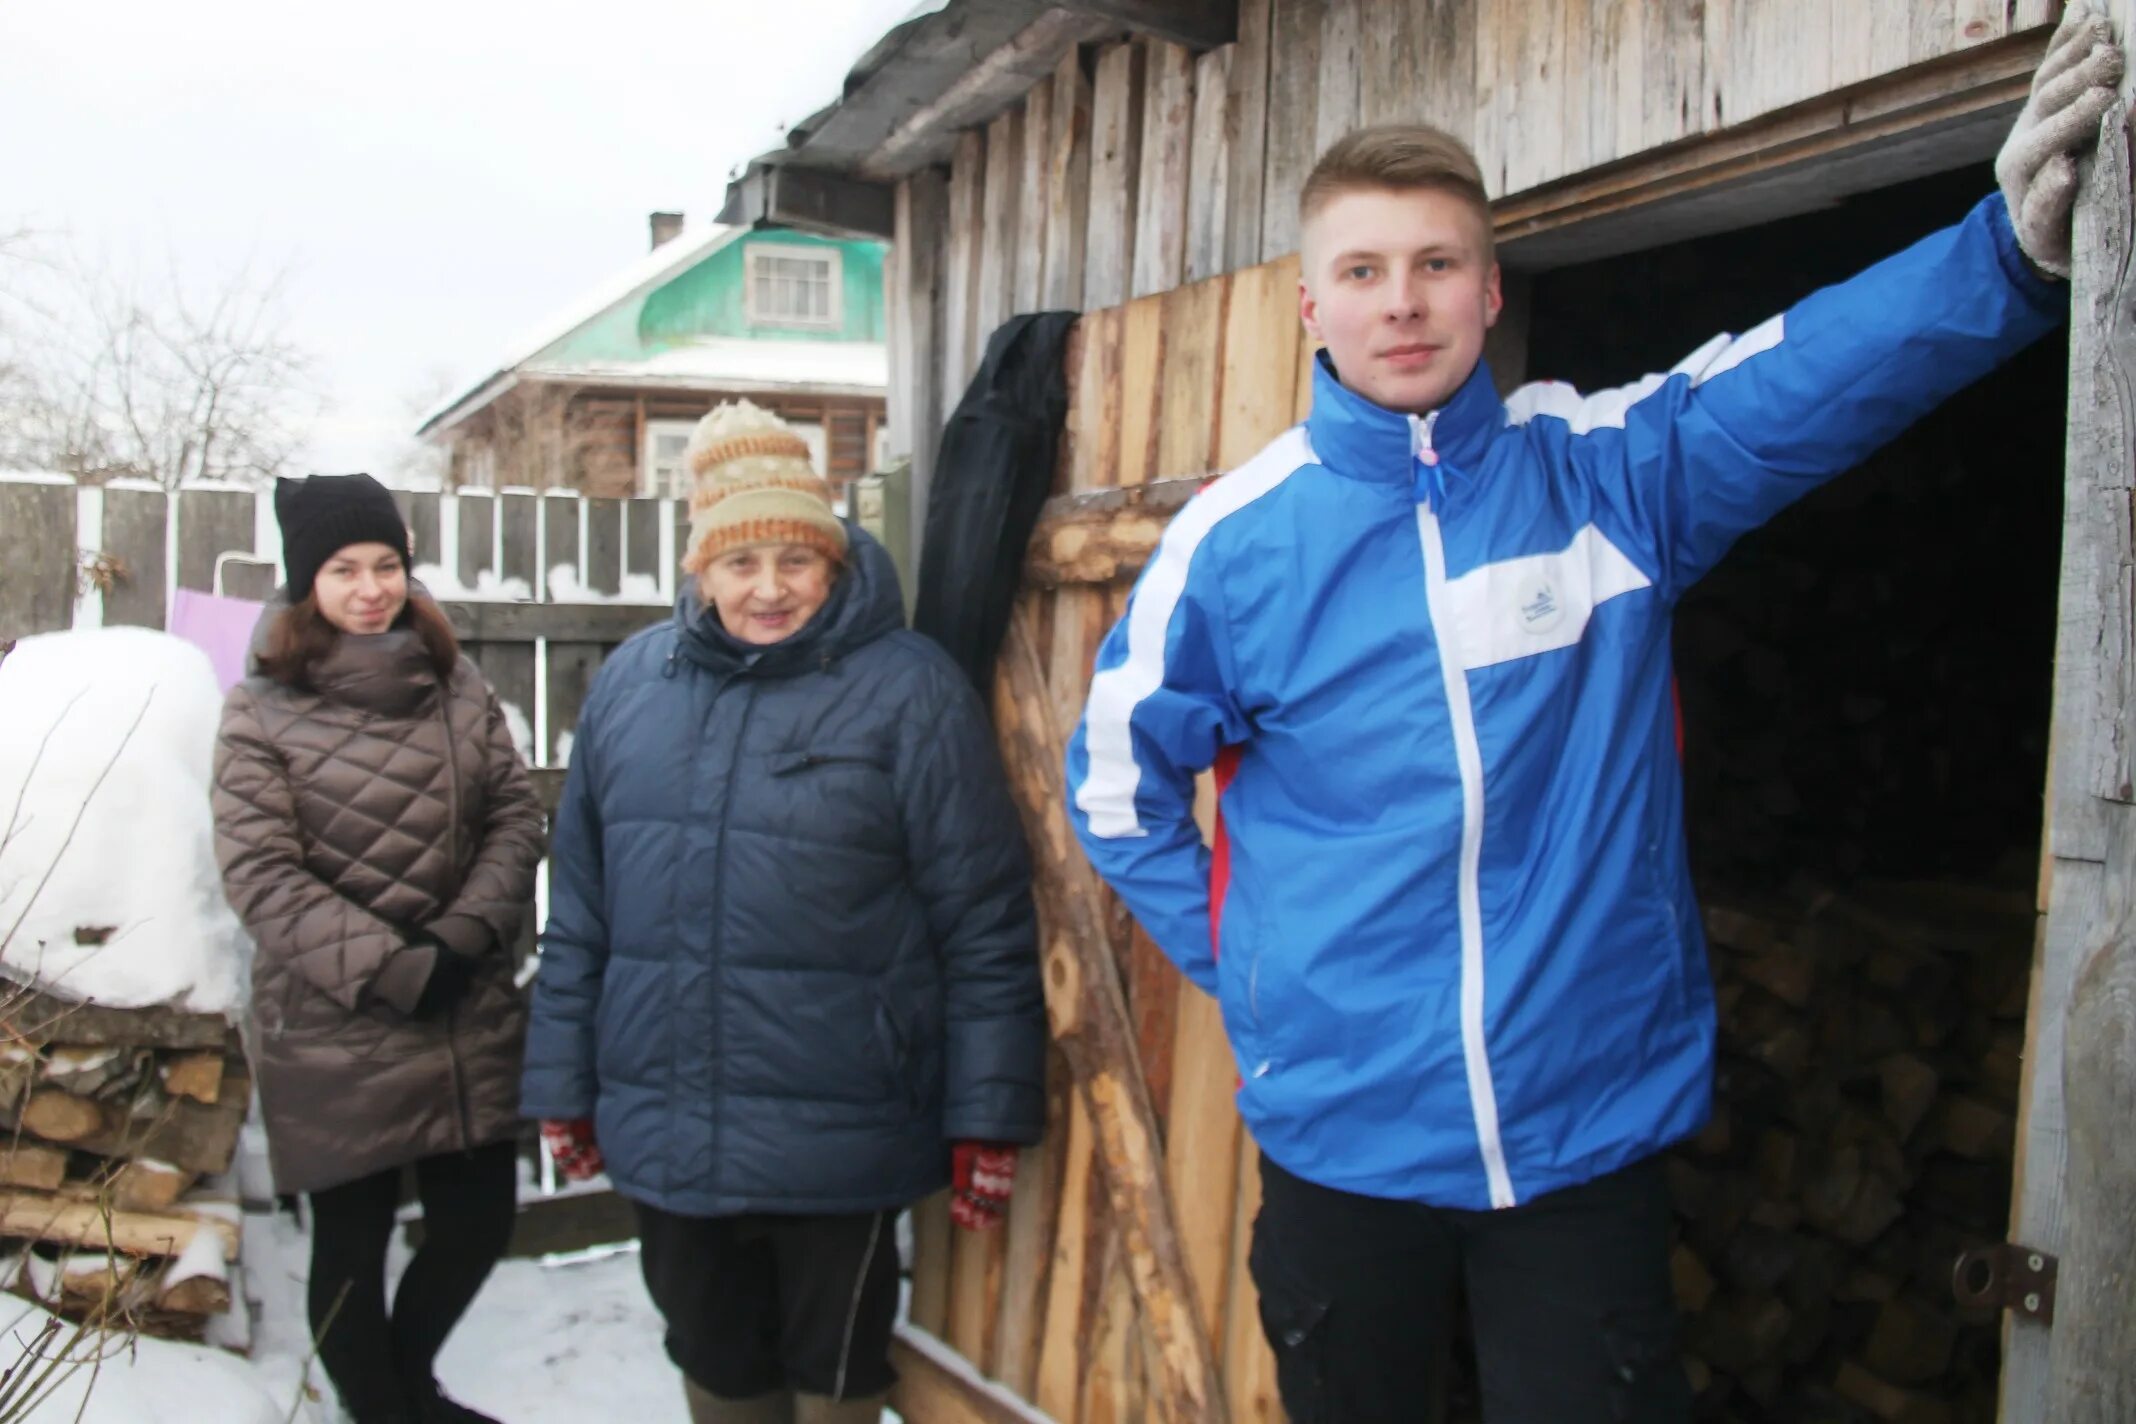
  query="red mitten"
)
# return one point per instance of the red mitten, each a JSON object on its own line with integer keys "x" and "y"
{"x": 572, "y": 1148}
{"x": 981, "y": 1174}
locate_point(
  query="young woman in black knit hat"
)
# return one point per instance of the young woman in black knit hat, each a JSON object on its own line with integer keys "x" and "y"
{"x": 378, "y": 835}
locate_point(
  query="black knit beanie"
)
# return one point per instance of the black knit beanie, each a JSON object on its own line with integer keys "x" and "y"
{"x": 324, "y": 514}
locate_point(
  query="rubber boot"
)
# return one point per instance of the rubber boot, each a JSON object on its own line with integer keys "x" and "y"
{"x": 775, "y": 1407}
{"x": 822, "y": 1409}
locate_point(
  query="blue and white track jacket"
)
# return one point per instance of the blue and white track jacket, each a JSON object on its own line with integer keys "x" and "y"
{"x": 1452, "y": 927}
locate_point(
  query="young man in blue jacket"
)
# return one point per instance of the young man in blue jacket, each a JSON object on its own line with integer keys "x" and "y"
{"x": 1424, "y": 640}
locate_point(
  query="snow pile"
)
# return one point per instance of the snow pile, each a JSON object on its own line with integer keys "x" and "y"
{"x": 109, "y": 889}
{"x": 489, "y": 588}
{"x": 116, "y": 1379}
{"x": 565, "y": 587}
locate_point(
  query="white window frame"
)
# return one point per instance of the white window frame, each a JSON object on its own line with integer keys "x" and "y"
{"x": 647, "y": 485}
{"x": 834, "y": 261}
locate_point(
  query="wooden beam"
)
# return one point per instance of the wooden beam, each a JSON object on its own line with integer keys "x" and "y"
{"x": 1100, "y": 536}
{"x": 1197, "y": 24}
{"x": 2066, "y": 1199}
{"x": 996, "y": 82}
{"x": 1924, "y": 119}
{"x": 478, "y": 621}
{"x": 30, "y": 1017}
{"x": 1089, "y": 1018}
{"x": 935, "y": 1385}
{"x": 89, "y": 1226}
{"x": 810, "y": 199}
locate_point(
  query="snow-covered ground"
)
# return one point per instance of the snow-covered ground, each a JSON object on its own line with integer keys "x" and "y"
{"x": 544, "y": 1343}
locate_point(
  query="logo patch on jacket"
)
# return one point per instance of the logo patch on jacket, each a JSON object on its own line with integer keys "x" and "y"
{"x": 1540, "y": 610}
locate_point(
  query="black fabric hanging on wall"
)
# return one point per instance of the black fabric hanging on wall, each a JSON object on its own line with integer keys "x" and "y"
{"x": 991, "y": 478}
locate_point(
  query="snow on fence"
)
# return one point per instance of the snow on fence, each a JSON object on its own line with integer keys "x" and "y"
{"x": 540, "y": 585}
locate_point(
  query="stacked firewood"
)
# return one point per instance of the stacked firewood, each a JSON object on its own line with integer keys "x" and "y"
{"x": 120, "y": 1126}
{"x": 1863, "y": 1134}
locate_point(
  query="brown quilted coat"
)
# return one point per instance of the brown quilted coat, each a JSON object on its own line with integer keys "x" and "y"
{"x": 352, "y": 822}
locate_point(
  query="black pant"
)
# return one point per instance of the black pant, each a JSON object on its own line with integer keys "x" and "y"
{"x": 1569, "y": 1296}
{"x": 757, "y": 1303}
{"x": 378, "y": 1363}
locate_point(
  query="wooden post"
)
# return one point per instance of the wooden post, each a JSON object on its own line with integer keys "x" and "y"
{"x": 2071, "y": 1193}
{"x": 1090, "y": 1022}
{"x": 2093, "y": 1360}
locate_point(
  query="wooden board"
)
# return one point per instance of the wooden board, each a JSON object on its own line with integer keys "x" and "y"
{"x": 1249, "y": 1364}
{"x": 419, "y": 509}
{"x": 1293, "y": 84}
{"x": 931, "y": 1249}
{"x": 604, "y": 545}
{"x": 520, "y": 518}
{"x": 476, "y": 547}
{"x": 1028, "y": 289}
{"x": 1259, "y": 381}
{"x": 37, "y": 595}
{"x": 480, "y": 621}
{"x": 1115, "y": 172}
{"x": 133, "y": 532}
{"x": 1141, "y": 352}
{"x": 1001, "y": 212}
{"x": 1209, "y": 163}
{"x": 1067, "y": 185}
{"x": 1191, "y": 378}
{"x": 641, "y": 537}
{"x": 1335, "y": 94}
{"x": 935, "y": 1387}
{"x": 1027, "y": 1261}
{"x": 2086, "y": 888}
{"x": 1202, "y": 1147}
{"x": 960, "y": 295}
{"x": 1160, "y": 252}
{"x": 210, "y": 523}
{"x": 1246, "y": 123}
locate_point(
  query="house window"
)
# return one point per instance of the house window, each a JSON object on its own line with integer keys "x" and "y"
{"x": 661, "y": 469}
{"x": 793, "y": 286}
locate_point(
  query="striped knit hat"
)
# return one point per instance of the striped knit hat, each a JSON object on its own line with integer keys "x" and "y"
{"x": 752, "y": 483}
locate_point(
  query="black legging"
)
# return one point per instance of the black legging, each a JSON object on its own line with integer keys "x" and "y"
{"x": 378, "y": 1362}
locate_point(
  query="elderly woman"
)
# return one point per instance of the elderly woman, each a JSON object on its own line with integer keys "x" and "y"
{"x": 378, "y": 836}
{"x": 789, "y": 971}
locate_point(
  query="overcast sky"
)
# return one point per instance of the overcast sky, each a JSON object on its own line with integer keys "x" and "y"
{"x": 435, "y": 176}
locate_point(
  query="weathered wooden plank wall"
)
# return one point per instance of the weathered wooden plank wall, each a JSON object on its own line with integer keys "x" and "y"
{"x": 1137, "y": 165}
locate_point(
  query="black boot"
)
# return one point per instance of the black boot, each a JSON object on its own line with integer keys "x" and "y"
{"x": 431, "y": 1405}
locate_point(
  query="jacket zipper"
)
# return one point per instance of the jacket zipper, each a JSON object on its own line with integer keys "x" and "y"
{"x": 452, "y": 849}
{"x": 719, "y": 900}
{"x": 1468, "y": 757}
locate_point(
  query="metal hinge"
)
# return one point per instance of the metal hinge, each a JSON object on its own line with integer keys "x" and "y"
{"x": 2007, "y": 1277}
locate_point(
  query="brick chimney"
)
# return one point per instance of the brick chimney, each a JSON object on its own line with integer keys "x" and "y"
{"x": 666, "y": 227}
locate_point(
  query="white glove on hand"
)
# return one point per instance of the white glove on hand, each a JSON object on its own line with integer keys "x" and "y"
{"x": 2037, "y": 167}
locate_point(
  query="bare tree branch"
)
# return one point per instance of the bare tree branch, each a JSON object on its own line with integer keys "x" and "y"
{"x": 172, "y": 383}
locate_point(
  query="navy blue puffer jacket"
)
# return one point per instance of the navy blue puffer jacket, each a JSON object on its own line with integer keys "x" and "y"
{"x": 790, "y": 953}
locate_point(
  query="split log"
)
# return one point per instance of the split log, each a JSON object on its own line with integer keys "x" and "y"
{"x": 1102, "y": 536}
{"x": 196, "y": 1295}
{"x": 65, "y": 1222}
{"x": 59, "y": 1116}
{"x": 1090, "y": 1022}
{"x": 197, "y": 1076}
{"x": 32, "y": 1164}
{"x": 149, "y": 1185}
{"x": 29, "y": 1016}
{"x": 199, "y": 1137}
{"x": 89, "y": 1070}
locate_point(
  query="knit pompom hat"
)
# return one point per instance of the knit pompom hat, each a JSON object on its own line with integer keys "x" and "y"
{"x": 752, "y": 483}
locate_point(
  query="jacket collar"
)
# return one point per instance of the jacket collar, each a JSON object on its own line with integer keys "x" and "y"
{"x": 1357, "y": 438}
{"x": 865, "y": 604}
{"x": 388, "y": 674}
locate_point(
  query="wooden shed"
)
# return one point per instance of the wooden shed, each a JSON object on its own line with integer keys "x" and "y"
{"x": 1908, "y": 1068}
